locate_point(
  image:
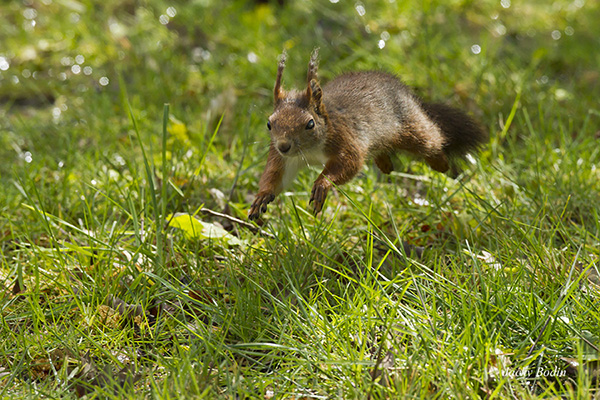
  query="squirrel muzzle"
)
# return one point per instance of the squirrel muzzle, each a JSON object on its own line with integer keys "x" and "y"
{"x": 284, "y": 147}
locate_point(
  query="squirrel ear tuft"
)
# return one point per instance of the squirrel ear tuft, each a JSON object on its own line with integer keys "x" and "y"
{"x": 312, "y": 66}
{"x": 278, "y": 91}
{"x": 313, "y": 90}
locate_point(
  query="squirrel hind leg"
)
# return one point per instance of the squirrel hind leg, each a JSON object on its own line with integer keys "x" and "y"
{"x": 384, "y": 163}
{"x": 438, "y": 162}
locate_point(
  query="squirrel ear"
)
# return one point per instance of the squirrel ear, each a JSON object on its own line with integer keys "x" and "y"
{"x": 315, "y": 95}
{"x": 313, "y": 90}
{"x": 312, "y": 66}
{"x": 278, "y": 91}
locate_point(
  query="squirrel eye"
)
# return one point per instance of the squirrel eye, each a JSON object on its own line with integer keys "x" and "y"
{"x": 269, "y": 125}
{"x": 311, "y": 124}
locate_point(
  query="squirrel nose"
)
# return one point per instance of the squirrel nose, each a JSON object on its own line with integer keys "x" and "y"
{"x": 284, "y": 147}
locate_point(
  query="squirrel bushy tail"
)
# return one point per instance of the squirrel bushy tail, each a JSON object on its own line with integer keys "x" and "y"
{"x": 463, "y": 135}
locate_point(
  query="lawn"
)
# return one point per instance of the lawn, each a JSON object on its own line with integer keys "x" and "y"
{"x": 132, "y": 139}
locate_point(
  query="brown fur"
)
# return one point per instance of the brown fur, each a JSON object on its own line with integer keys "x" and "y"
{"x": 356, "y": 117}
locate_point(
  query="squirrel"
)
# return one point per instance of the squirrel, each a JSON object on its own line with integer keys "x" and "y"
{"x": 355, "y": 117}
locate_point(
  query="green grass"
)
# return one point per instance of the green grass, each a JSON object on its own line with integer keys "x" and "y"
{"x": 103, "y": 296}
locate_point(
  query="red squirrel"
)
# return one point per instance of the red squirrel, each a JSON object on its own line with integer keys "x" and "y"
{"x": 356, "y": 117}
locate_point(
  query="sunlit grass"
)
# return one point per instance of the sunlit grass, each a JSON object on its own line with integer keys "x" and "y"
{"x": 413, "y": 285}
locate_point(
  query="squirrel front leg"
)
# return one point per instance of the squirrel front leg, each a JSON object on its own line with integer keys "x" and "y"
{"x": 270, "y": 185}
{"x": 338, "y": 170}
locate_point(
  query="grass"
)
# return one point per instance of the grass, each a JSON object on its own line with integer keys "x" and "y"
{"x": 109, "y": 290}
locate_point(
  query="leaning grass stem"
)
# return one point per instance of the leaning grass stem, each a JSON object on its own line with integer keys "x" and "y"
{"x": 160, "y": 221}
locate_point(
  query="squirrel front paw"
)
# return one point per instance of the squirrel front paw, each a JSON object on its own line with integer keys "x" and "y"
{"x": 318, "y": 195}
{"x": 259, "y": 205}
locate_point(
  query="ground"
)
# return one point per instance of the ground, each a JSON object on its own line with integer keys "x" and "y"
{"x": 127, "y": 128}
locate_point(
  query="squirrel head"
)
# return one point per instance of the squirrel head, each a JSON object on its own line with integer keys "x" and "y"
{"x": 299, "y": 122}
